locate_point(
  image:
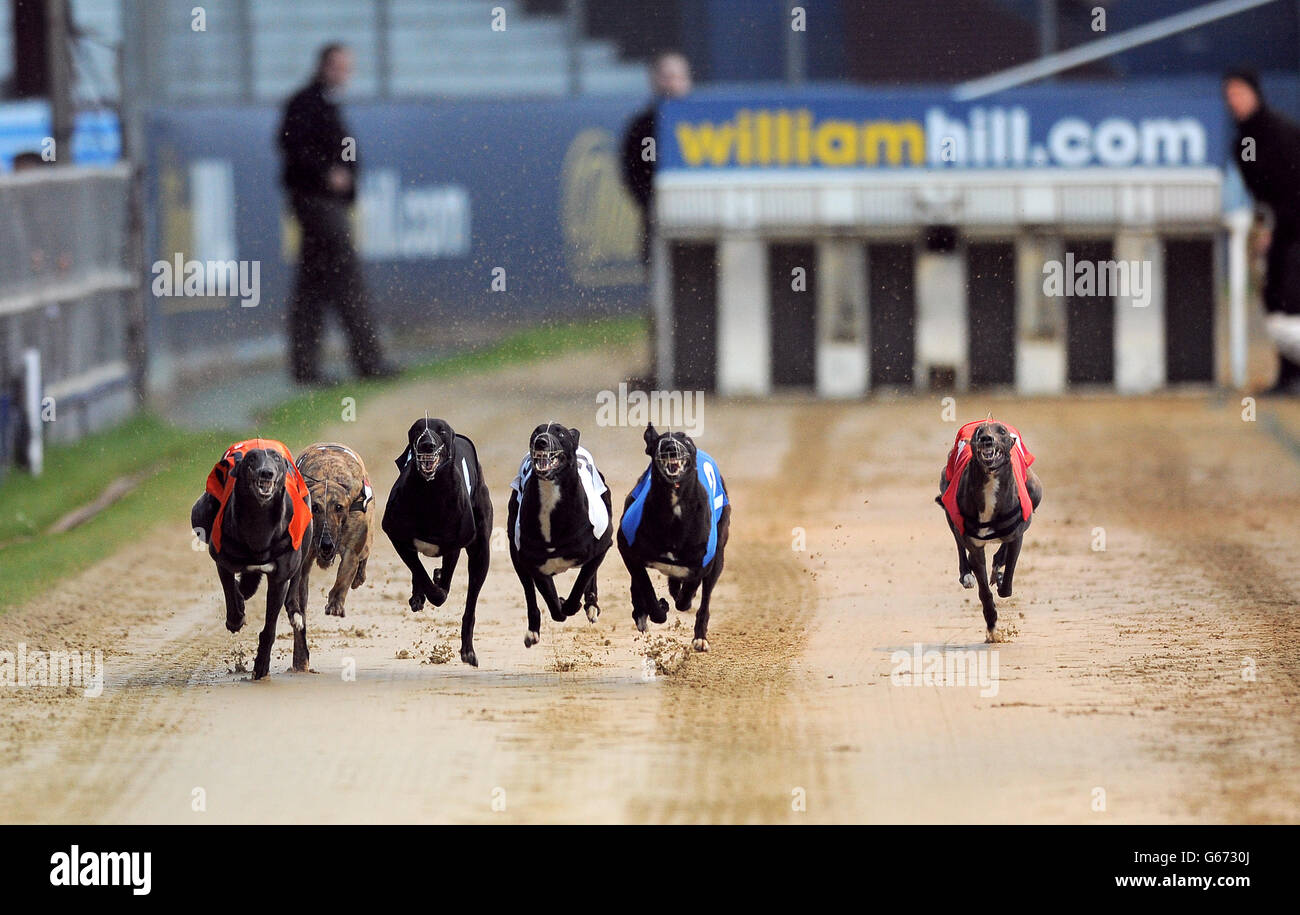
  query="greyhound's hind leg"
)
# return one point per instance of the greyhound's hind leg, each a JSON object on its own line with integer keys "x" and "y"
{"x": 999, "y": 561}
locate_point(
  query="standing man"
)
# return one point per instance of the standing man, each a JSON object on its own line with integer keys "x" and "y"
{"x": 1268, "y": 157}
{"x": 320, "y": 170}
{"x": 670, "y": 77}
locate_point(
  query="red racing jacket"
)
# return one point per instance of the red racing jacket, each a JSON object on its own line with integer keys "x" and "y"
{"x": 221, "y": 483}
{"x": 960, "y": 456}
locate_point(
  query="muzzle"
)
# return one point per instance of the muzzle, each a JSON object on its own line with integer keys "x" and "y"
{"x": 429, "y": 454}
{"x": 547, "y": 456}
{"x": 673, "y": 458}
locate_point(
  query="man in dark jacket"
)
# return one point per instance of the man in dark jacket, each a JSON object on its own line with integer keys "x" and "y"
{"x": 670, "y": 77}
{"x": 1268, "y": 157}
{"x": 320, "y": 169}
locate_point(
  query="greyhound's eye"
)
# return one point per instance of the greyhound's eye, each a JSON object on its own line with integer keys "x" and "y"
{"x": 337, "y": 507}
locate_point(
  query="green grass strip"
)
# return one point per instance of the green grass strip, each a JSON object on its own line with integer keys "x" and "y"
{"x": 178, "y": 460}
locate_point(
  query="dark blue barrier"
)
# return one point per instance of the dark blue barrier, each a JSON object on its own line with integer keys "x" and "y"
{"x": 451, "y": 192}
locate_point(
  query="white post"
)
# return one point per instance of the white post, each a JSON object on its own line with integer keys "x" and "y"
{"x": 744, "y": 317}
{"x": 661, "y": 301}
{"x": 1140, "y": 319}
{"x": 32, "y": 407}
{"x": 843, "y": 361}
{"x": 1238, "y": 223}
{"x": 1040, "y": 319}
{"x": 942, "y": 324}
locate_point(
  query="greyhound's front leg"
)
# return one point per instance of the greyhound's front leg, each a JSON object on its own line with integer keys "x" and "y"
{"x": 963, "y": 564}
{"x": 234, "y": 602}
{"x": 644, "y": 603}
{"x": 585, "y": 586}
{"x": 979, "y": 566}
{"x": 534, "y": 633}
{"x": 420, "y": 583}
{"x": 347, "y": 575}
{"x": 275, "y": 591}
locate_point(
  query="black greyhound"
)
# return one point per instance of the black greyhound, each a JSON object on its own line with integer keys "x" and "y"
{"x": 256, "y": 519}
{"x": 991, "y": 465}
{"x": 560, "y": 518}
{"x": 440, "y": 506}
{"x": 676, "y": 521}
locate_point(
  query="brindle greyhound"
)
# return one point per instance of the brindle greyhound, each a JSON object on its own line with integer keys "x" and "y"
{"x": 989, "y": 508}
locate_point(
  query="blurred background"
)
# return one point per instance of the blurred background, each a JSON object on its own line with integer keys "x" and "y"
{"x": 843, "y": 207}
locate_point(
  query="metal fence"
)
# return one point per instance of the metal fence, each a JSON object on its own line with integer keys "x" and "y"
{"x": 66, "y": 291}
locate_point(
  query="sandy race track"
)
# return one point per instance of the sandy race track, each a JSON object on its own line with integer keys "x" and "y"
{"x": 1156, "y": 680}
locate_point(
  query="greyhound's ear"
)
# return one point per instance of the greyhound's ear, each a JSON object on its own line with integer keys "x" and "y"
{"x": 403, "y": 458}
{"x": 576, "y": 435}
{"x": 651, "y": 436}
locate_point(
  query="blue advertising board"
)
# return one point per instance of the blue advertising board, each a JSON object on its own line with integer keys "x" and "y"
{"x": 452, "y": 196}
{"x": 25, "y": 127}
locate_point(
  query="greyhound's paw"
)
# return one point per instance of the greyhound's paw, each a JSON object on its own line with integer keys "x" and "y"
{"x": 557, "y": 614}
{"x": 235, "y": 622}
{"x": 416, "y": 603}
{"x": 532, "y": 638}
{"x": 683, "y": 606}
{"x": 660, "y": 613}
{"x": 967, "y": 580}
{"x": 996, "y": 634}
{"x": 1004, "y": 592}
{"x": 303, "y": 669}
{"x": 437, "y": 595}
{"x": 571, "y": 607}
{"x": 333, "y": 609}
{"x": 700, "y": 644}
{"x": 593, "y": 612}
{"x": 297, "y": 621}
{"x": 467, "y": 655}
{"x": 641, "y": 624}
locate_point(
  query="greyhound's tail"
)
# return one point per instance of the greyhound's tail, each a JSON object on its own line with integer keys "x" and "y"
{"x": 248, "y": 582}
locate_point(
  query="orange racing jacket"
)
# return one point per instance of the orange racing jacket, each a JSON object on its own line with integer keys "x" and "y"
{"x": 221, "y": 483}
{"x": 960, "y": 456}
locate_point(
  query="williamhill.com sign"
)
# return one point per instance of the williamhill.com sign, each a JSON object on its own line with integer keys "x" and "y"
{"x": 867, "y": 130}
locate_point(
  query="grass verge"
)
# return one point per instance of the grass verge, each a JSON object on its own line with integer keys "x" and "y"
{"x": 179, "y": 460}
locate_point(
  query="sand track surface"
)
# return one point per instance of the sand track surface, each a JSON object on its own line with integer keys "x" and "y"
{"x": 1154, "y": 680}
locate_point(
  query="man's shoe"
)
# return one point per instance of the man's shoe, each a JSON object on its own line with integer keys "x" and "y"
{"x": 1283, "y": 389}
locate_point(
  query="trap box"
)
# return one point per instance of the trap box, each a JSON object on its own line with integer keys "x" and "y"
{"x": 845, "y": 241}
